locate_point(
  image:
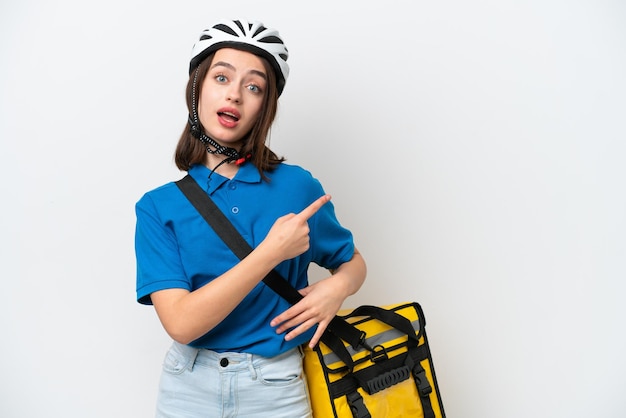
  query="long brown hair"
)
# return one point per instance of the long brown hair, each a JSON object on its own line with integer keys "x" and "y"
{"x": 190, "y": 150}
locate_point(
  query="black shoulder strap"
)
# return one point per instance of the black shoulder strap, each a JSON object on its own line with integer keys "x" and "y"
{"x": 229, "y": 234}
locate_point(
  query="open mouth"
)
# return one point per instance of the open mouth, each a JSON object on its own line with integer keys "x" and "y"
{"x": 228, "y": 116}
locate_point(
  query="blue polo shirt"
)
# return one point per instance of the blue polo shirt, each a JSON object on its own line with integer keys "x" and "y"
{"x": 176, "y": 248}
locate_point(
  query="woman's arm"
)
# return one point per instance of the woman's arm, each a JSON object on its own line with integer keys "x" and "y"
{"x": 187, "y": 316}
{"x": 322, "y": 300}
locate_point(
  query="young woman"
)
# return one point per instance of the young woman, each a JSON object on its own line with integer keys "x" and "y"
{"x": 236, "y": 342}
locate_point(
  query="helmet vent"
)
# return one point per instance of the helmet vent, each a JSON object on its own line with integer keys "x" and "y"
{"x": 238, "y": 23}
{"x": 226, "y": 29}
{"x": 259, "y": 30}
{"x": 271, "y": 40}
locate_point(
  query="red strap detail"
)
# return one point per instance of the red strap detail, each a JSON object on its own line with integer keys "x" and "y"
{"x": 243, "y": 159}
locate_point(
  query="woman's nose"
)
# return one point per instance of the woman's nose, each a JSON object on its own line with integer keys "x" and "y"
{"x": 234, "y": 95}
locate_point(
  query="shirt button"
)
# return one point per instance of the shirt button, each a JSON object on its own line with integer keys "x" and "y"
{"x": 235, "y": 210}
{"x": 224, "y": 362}
{"x": 232, "y": 186}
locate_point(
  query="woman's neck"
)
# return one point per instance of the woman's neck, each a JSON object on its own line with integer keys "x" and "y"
{"x": 227, "y": 170}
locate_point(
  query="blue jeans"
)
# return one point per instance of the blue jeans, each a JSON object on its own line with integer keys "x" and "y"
{"x": 202, "y": 383}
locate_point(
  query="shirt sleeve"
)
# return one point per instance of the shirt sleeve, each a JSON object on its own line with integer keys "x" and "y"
{"x": 332, "y": 243}
{"x": 159, "y": 265}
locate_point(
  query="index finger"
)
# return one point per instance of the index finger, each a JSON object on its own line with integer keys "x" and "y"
{"x": 314, "y": 207}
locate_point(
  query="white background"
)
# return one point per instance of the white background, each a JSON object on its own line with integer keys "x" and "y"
{"x": 475, "y": 148}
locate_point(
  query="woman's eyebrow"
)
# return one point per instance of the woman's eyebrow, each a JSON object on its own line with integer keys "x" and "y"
{"x": 231, "y": 67}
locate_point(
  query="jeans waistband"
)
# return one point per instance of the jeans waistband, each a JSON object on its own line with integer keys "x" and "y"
{"x": 226, "y": 361}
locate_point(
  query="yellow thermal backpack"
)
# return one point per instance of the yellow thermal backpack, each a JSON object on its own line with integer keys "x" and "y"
{"x": 385, "y": 370}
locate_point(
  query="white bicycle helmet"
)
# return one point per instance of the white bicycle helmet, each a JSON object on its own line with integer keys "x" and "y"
{"x": 252, "y": 37}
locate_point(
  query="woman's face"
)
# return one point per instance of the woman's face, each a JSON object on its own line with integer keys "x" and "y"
{"x": 232, "y": 95}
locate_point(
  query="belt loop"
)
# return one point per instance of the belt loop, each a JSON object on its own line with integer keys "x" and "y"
{"x": 251, "y": 367}
{"x": 193, "y": 354}
{"x": 188, "y": 352}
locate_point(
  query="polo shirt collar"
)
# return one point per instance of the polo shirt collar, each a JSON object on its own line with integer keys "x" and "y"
{"x": 247, "y": 173}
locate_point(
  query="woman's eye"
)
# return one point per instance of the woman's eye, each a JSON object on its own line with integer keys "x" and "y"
{"x": 221, "y": 78}
{"x": 254, "y": 88}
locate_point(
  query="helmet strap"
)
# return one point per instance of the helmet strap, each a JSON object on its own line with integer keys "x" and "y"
{"x": 211, "y": 145}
